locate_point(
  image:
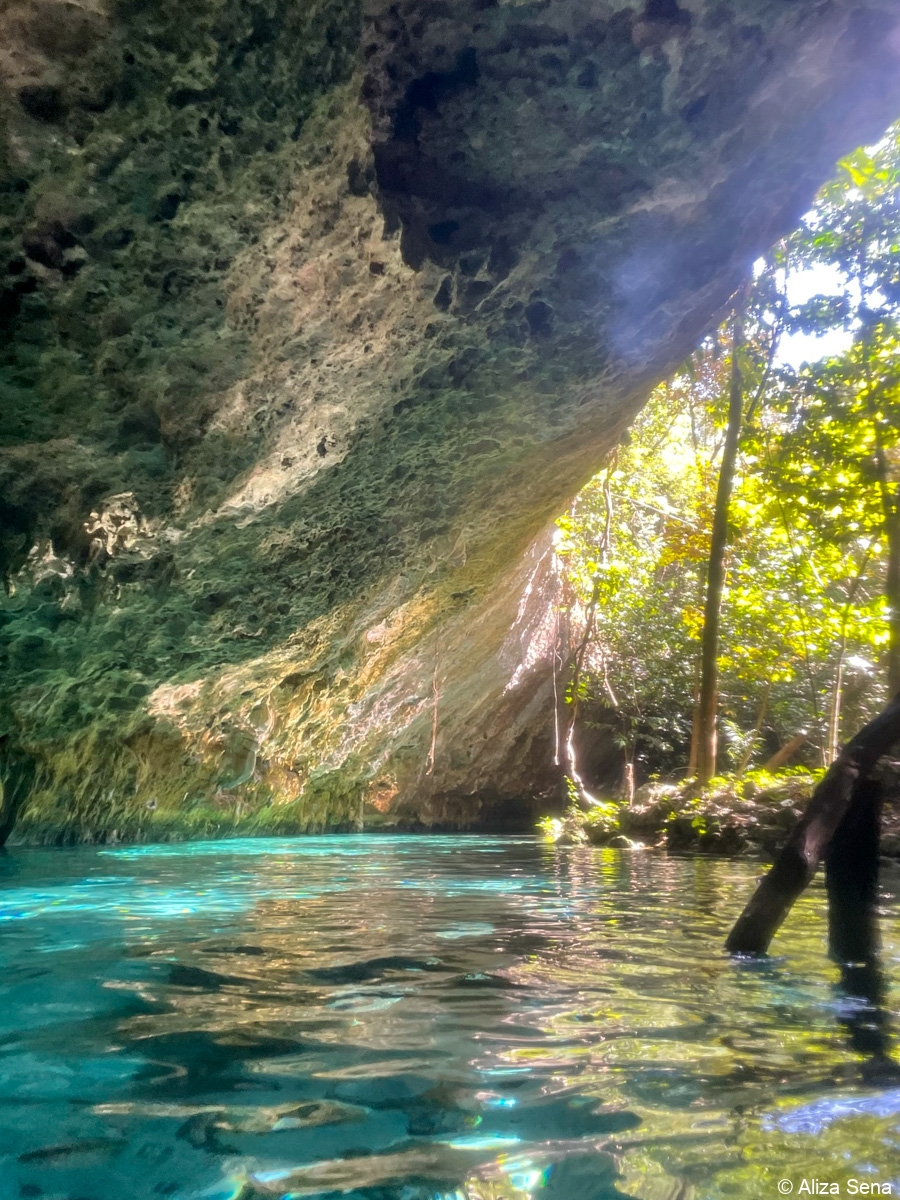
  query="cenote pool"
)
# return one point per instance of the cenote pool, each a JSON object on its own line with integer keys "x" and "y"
{"x": 424, "y": 1019}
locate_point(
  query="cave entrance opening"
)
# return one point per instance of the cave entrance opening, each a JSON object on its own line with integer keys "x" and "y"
{"x": 731, "y": 576}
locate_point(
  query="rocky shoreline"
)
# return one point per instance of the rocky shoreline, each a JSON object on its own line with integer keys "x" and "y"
{"x": 732, "y": 818}
{"x": 750, "y": 817}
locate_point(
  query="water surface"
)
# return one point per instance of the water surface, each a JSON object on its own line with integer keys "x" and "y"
{"x": 424, "y": 1019}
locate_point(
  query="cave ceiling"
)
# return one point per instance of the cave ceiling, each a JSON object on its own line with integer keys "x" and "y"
{"x": 313, "y": 316}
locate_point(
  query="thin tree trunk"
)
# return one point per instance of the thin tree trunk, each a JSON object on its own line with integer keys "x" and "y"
{"x": 787, "y": 751}
{"x": 890, "y": 503}
{"x": 695, "y": 730}
{"x": 890, "y": 499}
{"x": 834, "y": 716}
{"x": 892, "y": 591}
{"x": 760, "y": 717}
{"x": 629, "y": 780}
{"x": 694, "y": 754}
{"x": 799, "y": 859}
{"x": 707, "y": 707}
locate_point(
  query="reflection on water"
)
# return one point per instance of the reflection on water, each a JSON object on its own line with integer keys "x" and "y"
{"x": 425, "y": 1019}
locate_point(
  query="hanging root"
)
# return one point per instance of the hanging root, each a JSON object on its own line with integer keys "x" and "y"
{"x": 434, "y": 713}
{"x": 581, "y": 794}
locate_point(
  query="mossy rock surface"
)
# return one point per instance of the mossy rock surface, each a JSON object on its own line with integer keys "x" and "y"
{"x": 313, "y": 318}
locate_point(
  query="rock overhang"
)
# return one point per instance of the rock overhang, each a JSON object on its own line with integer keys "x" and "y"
{"x": 352, "y": 373}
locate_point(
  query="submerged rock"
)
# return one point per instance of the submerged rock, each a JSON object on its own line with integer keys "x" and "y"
{"x": 313, "y": 318}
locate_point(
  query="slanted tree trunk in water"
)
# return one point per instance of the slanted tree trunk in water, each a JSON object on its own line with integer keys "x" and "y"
{"x": 708, "y": 703}
{"x": 797, "y": 863}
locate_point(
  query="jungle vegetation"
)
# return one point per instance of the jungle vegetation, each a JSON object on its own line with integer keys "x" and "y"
{"x": 734, "y": 568}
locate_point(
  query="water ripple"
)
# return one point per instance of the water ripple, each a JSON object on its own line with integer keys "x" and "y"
{"x": 422, "y": 1019}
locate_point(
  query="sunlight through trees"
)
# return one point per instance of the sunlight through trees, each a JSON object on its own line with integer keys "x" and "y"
{"x": 803, "y": 573}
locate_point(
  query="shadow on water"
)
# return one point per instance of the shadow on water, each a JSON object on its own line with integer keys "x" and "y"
{"x": 852, "y": 867}
{"x": 424, "y": 1019}
{"x": 860, "y": 998}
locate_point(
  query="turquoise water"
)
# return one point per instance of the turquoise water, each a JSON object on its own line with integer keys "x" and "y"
{"x": 424, "y": 1019}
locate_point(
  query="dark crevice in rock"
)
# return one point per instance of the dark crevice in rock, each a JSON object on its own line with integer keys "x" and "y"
{"x": 666, "y": 10}
{"x": 431, "y": 89}
{"x": 43, "y": 102}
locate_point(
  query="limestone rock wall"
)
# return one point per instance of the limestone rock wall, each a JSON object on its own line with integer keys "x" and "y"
{"x": 312, "y": 319}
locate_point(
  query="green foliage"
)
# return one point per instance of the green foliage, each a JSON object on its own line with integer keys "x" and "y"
{"x": 603, "y": 817}
{"x": 733, "y": 814}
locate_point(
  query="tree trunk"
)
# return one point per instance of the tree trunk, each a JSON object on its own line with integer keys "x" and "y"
{"x": 867, "y": 1021}
{"x": 797, "y": 863}
{"x": 708, "y": 704}
{"x": 892, "y": 590}
{"x": 786, "y": 753}
{"x": 629, "y": 782}
{"x": 834, "y": 713}
{"x": 757, "y": 729}
{"x": 851, "y": 878}
{"x": 695, "y": 722}
{"x": 890, "y": 503}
